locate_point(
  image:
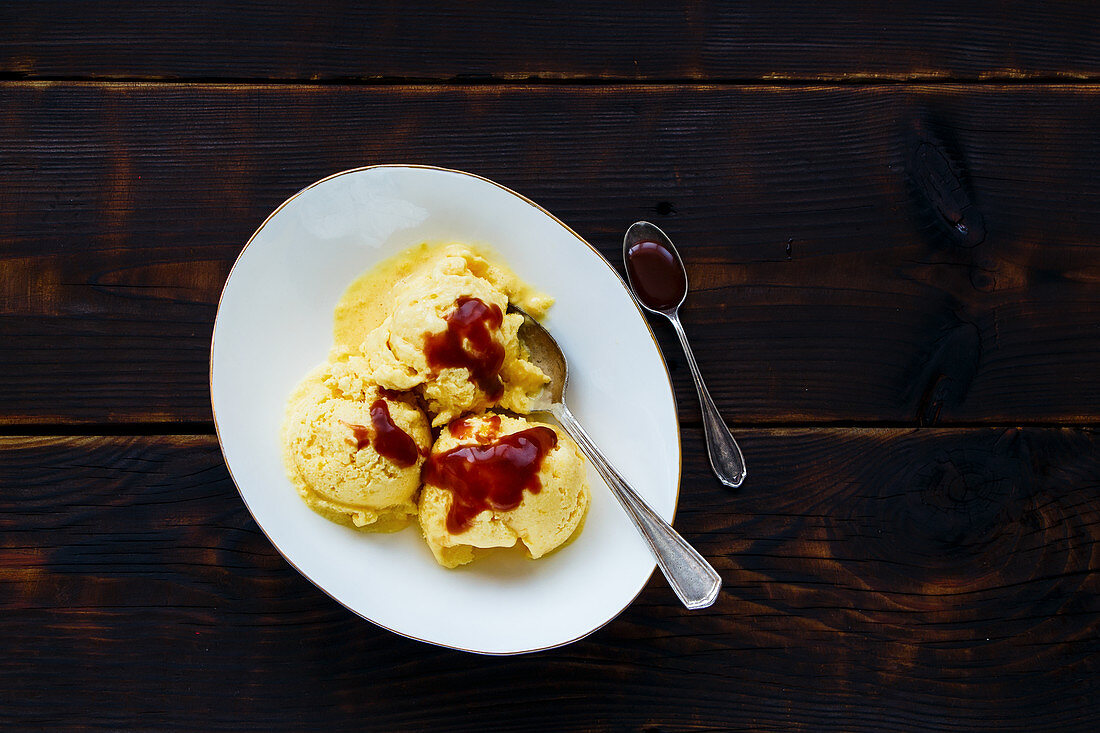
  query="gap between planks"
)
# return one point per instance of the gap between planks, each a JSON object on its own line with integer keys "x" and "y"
{"x": 526, "y": 80}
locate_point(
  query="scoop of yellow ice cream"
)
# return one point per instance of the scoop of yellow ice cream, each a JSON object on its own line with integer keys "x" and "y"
{"x": 331, "y": 449}
{"x": 396, "y": 354}
{"x": 541, "y": 521}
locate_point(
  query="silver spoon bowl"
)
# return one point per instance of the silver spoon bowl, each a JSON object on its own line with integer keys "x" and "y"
{"x": 725, "y": 455}
{"x": 692, "y": 578}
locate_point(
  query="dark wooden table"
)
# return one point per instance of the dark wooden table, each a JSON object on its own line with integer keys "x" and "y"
{"x": 890, "y": 214}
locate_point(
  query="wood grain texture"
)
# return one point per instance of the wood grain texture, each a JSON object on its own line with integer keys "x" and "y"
{"x": 875, "y": 580}
{"x": 578, "y": 39}
{"x": 898, "y": 255}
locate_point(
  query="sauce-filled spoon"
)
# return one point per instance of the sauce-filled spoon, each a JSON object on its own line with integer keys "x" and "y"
{"x": 659, "y": 281}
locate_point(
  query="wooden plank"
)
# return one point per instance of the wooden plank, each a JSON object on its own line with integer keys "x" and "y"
{"x": 578, "y": 39}
{"x": 822, "y": 228}
{"x": 875, "y": 580}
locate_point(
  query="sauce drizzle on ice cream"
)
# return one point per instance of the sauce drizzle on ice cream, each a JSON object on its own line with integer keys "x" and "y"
{"x": 361, "y": 433}
{"x": 492, "y": 476}
{"x": 389, "y": 440}
{"x": 462, "y": 429}
{"x": 468, "y": 343}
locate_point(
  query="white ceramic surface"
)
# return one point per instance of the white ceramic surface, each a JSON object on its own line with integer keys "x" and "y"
{"x": 274, "y": 323}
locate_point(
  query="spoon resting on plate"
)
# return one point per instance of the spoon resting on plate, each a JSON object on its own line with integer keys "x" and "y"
{"x": 659, "y": 282}
{"x": 692, "y": 578}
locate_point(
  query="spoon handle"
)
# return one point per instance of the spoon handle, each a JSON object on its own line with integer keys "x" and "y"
{"x": 725, "y": 455}
{"x": 692, "y": 578}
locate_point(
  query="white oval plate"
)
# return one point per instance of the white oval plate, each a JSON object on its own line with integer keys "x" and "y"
{"x": 274, "y": 324}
